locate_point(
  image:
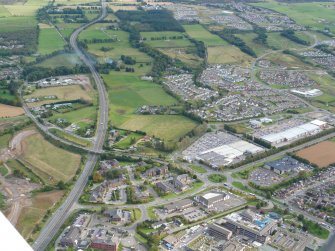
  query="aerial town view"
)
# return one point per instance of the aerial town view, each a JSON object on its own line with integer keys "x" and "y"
{"x": 187, "y": 125}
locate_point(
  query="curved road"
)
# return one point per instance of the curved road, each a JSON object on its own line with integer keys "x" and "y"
{"x": 61, "y": 214}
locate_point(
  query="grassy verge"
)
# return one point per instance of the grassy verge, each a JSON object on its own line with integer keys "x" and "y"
{"x": 198, "y": 169}
{"x": 217, "y": 178}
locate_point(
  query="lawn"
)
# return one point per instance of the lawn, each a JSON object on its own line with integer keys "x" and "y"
{"x": 217, "y": 178}
{"x": 198, "y": 32}
{"x": 198, "y": 169}
{"x": 228, "y": 55}
{"x": 51, "y": 163}
{"x": 87, "y": 115}
{"x": 49, "y": 41}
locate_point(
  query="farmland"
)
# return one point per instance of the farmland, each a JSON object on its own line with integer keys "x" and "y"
{"x": 67, "y": 60}
{"x": 47, "y": 161}
{"x": 321, "y": 154}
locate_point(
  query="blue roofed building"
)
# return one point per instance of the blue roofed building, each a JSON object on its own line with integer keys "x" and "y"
{"x": 285, "y": 165}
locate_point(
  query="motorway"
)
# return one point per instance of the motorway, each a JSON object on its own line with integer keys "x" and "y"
{"x": 55, "y": 222}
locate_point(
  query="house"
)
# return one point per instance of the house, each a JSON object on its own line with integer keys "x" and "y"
{"x": 116, "y": 215}
{"x": 71, "y": 238}
{"x": 164, "y": 187}
{"x": 158, "y": 224}
{"x": 156, "y": 171}
{"x": 107, "y": 165}
{"x": 182, "y": 181}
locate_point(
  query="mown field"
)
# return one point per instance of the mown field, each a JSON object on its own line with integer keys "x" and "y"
{"x": 198, "y": 32}
{"x": 67, "y": 60}
{"x": 50, "y": 163}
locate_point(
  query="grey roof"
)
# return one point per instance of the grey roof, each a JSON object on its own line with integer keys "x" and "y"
{"x": 285, "y": 164}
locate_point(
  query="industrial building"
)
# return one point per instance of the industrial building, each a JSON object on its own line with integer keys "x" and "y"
{"x": 295, "y": 133}
{"x": 219, "y": 232}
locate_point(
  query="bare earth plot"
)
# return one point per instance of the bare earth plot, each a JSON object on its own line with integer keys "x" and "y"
{"x": 10, "y": 111}
{"x": 321, "y": 154}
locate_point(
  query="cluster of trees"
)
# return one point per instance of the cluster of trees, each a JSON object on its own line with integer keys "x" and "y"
{"x": 261, "y": 35}
{"x": 164, "y": 38}
{"x": 9, "y": 89}
{"x": 290, "y": 34}
{"x": 27, "y": 36}
{"x": 153, "y": 20}
{"x": 34, "y": 73}
{"x": 67, "y": 11}
{"x": 128, "y": 60}
{"x": 229, "y": 36}
{"x": 99, "y": 40}
{"x": 200, "y": 47}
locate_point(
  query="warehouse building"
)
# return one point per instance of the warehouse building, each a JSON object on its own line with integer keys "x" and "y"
{"x": 209, "y": 200}
{"x": 286, "y": 165}
{"x": 307, "y": 93}
{"x": 295, "y": 133}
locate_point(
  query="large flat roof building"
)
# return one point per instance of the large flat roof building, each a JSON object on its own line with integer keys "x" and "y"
{"x": 209, "y": 200}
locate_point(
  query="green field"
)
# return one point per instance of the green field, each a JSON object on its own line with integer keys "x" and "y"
{"x": 4, "y": 140}
{"x": 315, "y": 15}
{"x": 49, "y": 41}
{"x": 49, "y": 162}
{"x": 170, "y": 43}
{"x": 198, "y": 32}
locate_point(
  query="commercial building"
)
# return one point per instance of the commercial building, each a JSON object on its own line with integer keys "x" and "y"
{"x": 71, "y": 237}
{"x": 307, "y": 93}
{"x": 248, "y": 224}
{"x": 209, "y": 200}
{"x": 219, "y": 232}
{"x": 285, "y": 165}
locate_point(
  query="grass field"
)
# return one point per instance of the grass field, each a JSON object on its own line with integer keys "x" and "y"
{"x": 67, "y": 60}
{"x": 168, "y": 127}
{"x": 127, "y": 92}
{"x": 49, "y": 41}
{"x": 10, "y": 111}
{"x": 289, "y": 61}
{"x": 228, "y": 55}
{"x": 198, "y": 32}
{"x": 170, "y": 43}
{"x": 71, "y": 138}
{"x": 280, "y": 43}
{"x": 32, "y": 215}
{"x": 63, "y": 93}
{"x": 47, "y": 161}
{"x": 316, "y": 15}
